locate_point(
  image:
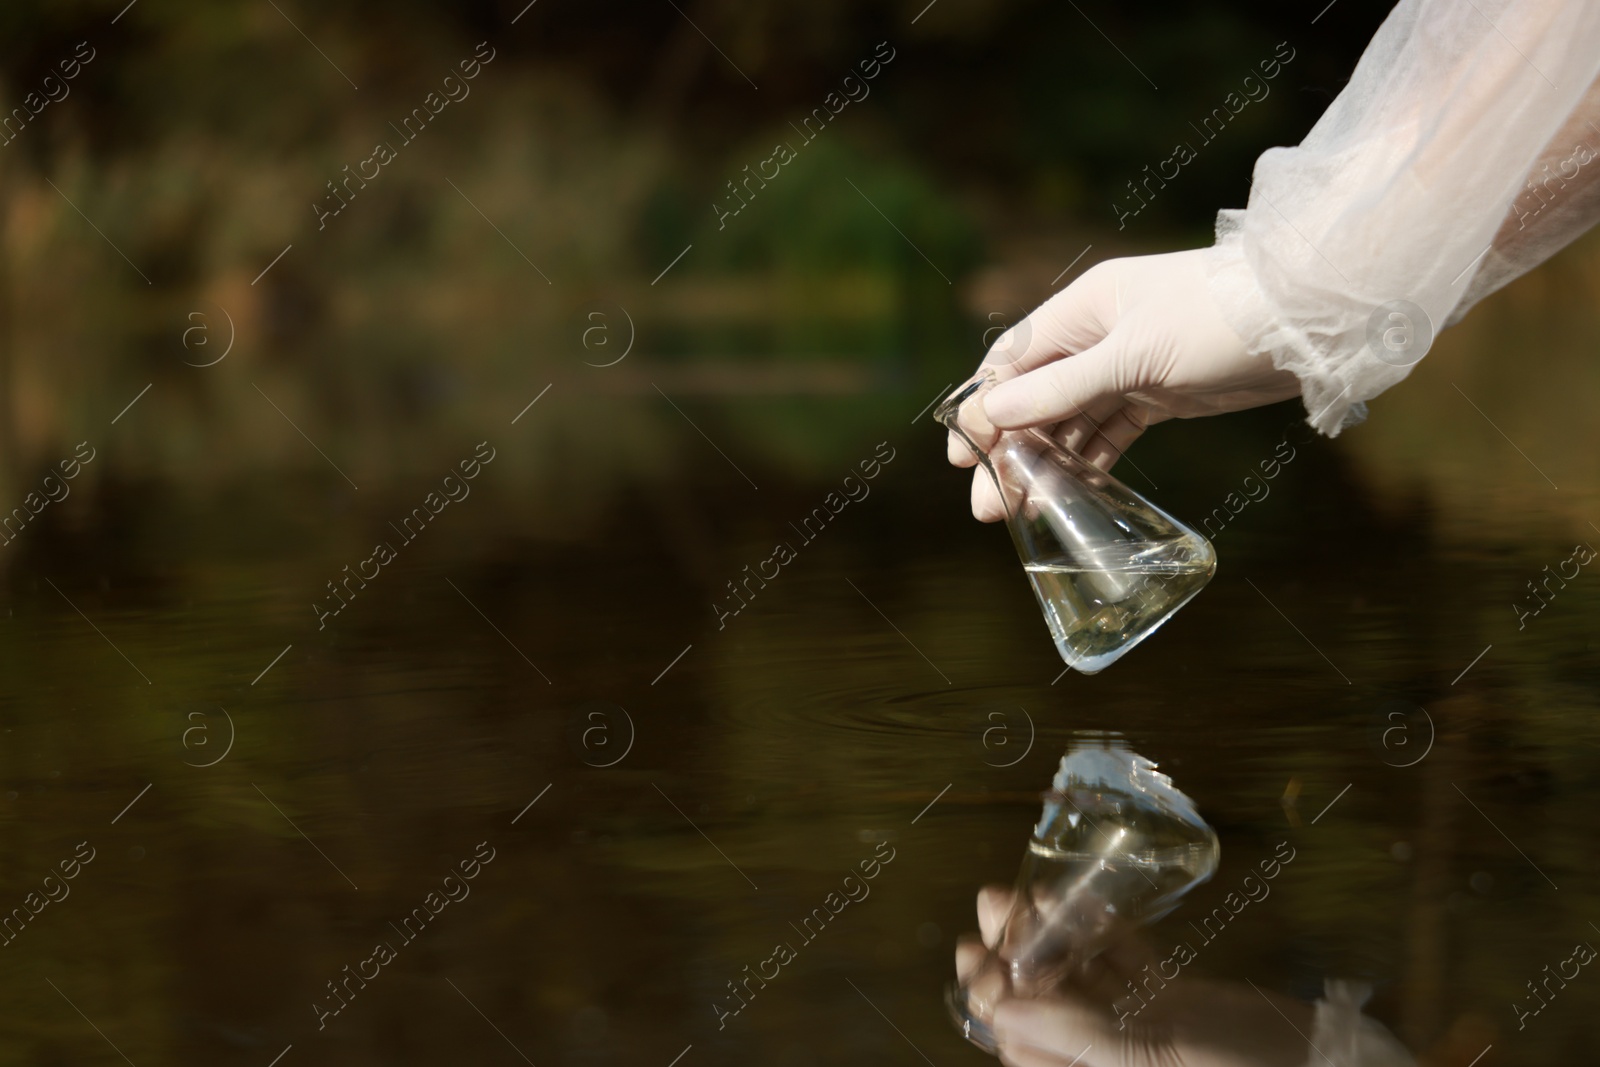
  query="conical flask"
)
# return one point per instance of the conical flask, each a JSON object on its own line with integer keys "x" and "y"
{"x": 1116, "y": 847}
{"x": 1107, "y": 565}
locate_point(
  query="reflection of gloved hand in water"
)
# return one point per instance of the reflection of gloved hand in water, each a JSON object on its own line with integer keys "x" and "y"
{"x": 1131, "y": 342}
{"x": 1181, "y": 1022}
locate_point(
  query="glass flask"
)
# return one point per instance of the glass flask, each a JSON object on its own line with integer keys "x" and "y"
{"x": 1108, "y": 566}
{"x": 1116, "y": 847}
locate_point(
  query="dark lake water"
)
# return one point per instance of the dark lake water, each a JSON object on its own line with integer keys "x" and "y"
{"x": 648, "y": 802}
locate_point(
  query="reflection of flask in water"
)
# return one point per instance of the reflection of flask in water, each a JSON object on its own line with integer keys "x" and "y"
{"x": 1116, "y": 847}
{"x": 1108, "y": 566}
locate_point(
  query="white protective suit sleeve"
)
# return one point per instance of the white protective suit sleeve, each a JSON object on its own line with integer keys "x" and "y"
{"x": 1414, "y": 186}
{"x": 1343, "y": 1037}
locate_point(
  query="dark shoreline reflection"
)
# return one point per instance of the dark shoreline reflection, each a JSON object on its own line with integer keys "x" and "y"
{"x": 608, "y": 926}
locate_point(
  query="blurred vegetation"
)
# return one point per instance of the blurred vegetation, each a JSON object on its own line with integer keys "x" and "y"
{"x": 596, "y": 141}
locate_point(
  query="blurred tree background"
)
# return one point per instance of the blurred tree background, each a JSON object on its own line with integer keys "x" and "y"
{"x": 190, "y": 150}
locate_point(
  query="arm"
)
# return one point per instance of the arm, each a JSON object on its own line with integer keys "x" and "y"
{"x": 1101, "y": 1019}
{"x": 1401, "y": 188}
{"x": 1558, "y": 202}
{"x": 1407, "y": 189}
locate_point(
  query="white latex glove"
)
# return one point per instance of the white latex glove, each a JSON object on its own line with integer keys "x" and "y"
{"x": 1129, "y": 343}
{"x": 1188, "y": 1023}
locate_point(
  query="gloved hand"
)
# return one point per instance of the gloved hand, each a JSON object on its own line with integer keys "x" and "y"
{"x": 1187, "y": 1023}
{"x": 1130, "y": 343}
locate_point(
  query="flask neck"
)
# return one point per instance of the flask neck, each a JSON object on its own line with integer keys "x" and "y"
{"x": 949, "y": 412}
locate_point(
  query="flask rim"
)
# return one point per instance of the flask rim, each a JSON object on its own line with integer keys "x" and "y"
{"x": 951, "y": 405}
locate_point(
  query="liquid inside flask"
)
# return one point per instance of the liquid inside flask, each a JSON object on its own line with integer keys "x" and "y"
{"x": 1108, "y": 566}
{"x": 1116, "y": 847}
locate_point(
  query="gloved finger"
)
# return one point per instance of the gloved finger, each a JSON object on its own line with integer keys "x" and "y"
{"x": 970, "y": 954}
{"x": 1062, "y": 389}
{"x": 1008, "y": 348}
{"x": 1074, "y": 432}
{"x": 1113, "y": 438}
{"x": 957, "y": 452}
{"x": 1076, "y": 318}
{"x": 994, "y": 905}
{"x": 1056, "y": 1027}
{"x": 986, "y": 503}
{"x": 1149, "y": 412}
{"x": 1027, "y": 1056}
{"x": 974, "y": 422}
{"x": 1104, "y": 979}
{"x": 1129, "y": 955}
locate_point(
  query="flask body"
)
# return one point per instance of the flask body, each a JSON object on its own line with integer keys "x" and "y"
{"x": 1107, "y": 566}
{"x": 1116, "y": 847}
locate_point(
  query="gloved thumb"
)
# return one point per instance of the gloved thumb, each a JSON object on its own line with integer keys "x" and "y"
{"x": 1057, "y": 1028}
{"x": 1091, "y": 383}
